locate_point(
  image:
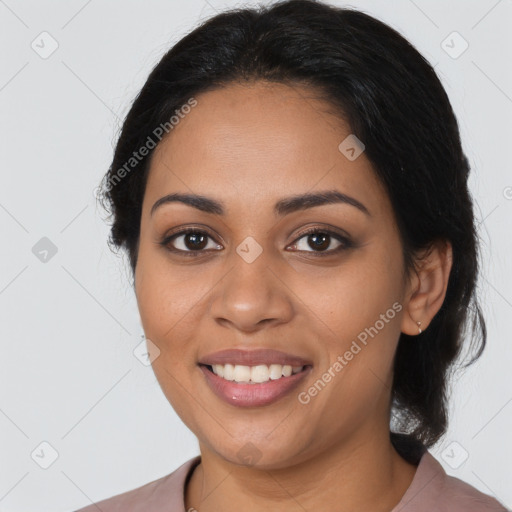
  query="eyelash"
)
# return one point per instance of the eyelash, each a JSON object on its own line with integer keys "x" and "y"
{"x": 346, "y": 243}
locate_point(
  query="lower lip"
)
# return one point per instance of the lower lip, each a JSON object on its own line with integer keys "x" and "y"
{"x": 252, "y": 395}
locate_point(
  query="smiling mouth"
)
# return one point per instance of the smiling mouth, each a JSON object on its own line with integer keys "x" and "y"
{"x": 257, "y": 374}
{"x": 253, "y": 386}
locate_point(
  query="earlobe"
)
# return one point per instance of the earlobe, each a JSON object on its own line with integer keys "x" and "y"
{"x": 428, "y": 288}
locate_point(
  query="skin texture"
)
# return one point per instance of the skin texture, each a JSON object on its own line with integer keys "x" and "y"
{"x": 249, "y": 146}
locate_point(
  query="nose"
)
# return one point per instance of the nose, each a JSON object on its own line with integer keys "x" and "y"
{"x": 251, "y": 297}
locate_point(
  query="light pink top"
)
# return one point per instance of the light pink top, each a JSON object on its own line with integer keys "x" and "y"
{"x": 431, "y": 490}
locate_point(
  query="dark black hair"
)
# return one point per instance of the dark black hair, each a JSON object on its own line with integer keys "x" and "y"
{"x": 393, "y": 101}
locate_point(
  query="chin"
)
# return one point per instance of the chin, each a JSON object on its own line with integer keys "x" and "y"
{"x": 263, "y": 453}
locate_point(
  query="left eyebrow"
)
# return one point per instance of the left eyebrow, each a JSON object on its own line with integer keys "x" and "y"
{"x": 283, "y": 207}
{"x": 304, "y": 201}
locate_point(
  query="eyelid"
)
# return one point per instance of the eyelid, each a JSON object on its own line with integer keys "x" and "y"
{"x": 324, "y": 228}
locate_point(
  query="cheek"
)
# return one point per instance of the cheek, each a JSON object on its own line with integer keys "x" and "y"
{"x": 355, "y": 383}
{"x": 166, "y": 306}
{"x": 359, "y": 309}
{"x": 166, "y": 303}
{"x": 164, "y": 295}
{"x": 345, "y": 300}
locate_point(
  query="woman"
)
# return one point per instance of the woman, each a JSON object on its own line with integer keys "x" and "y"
{"x": 291, "y": 191}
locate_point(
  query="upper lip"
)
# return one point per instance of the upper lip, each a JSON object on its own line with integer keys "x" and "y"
{"x": 253, "y": 357}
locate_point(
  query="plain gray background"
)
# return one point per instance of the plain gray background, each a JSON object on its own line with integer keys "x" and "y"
{"x": 69, "y": 321}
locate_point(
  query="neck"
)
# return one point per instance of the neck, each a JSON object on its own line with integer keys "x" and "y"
{"x": 362, "y": 473}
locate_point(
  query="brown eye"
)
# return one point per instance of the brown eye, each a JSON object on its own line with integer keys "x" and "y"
{"x": 320, "y": 240}
{"x": 195, "y": 241}
{"x": 188, "y": 242}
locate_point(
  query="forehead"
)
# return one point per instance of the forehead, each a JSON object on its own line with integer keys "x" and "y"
{"x": 253, "y": 144}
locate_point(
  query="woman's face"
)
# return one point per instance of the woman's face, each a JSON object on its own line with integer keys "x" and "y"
{"x": 254, "y": 280}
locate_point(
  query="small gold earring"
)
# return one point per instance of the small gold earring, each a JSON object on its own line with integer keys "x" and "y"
{"x": 419, "y": 328}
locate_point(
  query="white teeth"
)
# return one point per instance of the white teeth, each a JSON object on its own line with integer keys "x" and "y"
{"x": 287, "y": 370}
{"x": 241, "y": 373}
{"x": 228, "y": 371}
{"x": 254, "y": 374}
{"x": 276, "y": 371}
{"x": 259, "y": 373}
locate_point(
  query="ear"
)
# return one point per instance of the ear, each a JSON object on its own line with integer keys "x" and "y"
{"x": 427, "y": 287}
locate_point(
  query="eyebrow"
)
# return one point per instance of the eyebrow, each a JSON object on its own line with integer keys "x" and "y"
{"x": 283, "y": 207}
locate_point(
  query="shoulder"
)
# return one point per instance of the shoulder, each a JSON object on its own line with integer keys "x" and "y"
{"x": 166, "y": 491}
{"x": 457, "y": 493}
{"x": 433, "y": 489}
